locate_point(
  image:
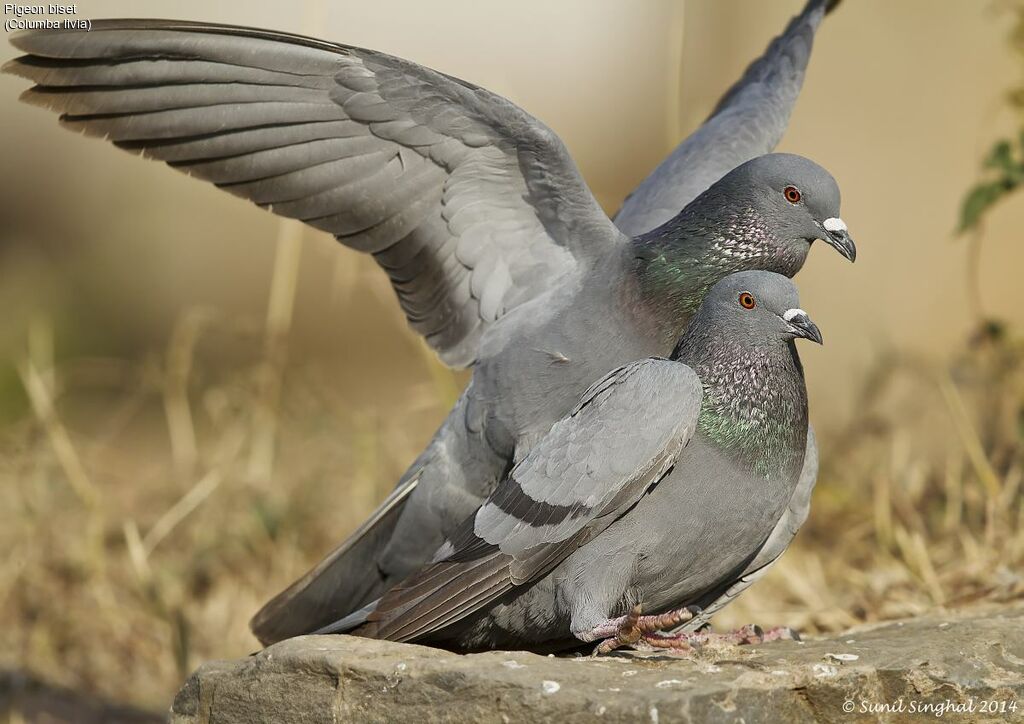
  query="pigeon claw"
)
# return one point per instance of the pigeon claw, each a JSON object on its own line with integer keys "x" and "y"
{"x": 781, "y": 633}
{"x": 627, "y": 632}
{"x": 639, "y": 631}
{"x": 668, "y": 621}
{"x": 751, "y": 634}
{"x": 675, "y": 642}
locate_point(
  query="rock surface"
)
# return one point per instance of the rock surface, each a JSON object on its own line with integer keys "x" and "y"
{"x": 966, "y": 667}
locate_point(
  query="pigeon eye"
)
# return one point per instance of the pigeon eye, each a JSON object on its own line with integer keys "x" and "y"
{"x": 792, "y": 194}
{"x": 747, "y": 300}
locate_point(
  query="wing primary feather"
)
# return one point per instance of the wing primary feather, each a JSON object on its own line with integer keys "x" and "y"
{"x": 437, "y": 611}
{"x": 201, "y": 96}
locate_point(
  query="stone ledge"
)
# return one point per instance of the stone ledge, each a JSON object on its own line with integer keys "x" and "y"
{"x": 960, "y": 658}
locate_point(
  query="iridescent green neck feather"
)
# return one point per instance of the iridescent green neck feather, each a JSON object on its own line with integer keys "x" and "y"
{"x": 677, "y": 263}
{"x": 755, "y": 402}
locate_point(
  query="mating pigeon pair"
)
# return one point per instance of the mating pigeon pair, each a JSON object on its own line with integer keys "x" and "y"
{"x": 500, "y": 257}
{"x": 666, "y": 475}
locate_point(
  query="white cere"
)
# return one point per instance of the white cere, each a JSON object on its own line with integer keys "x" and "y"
{"x": 793, "y": 313}
{"x": 834, "y": 224}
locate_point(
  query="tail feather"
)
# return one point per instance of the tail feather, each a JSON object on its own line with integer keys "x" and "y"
{"x": 353, "y": 620}
{"x": 345, "y": 580}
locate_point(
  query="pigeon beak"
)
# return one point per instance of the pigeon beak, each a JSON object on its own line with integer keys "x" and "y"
{"x": 800, "y": 325}
{"x": 838, "y": 237}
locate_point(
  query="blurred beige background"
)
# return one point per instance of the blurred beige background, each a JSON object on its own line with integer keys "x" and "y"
{"x": 900, "y": 101}
{"x": 144, "y": 520}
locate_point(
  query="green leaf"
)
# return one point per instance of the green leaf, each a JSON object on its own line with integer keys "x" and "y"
{"x": 978, "y": 200}
{"x": 1000, "y": 157}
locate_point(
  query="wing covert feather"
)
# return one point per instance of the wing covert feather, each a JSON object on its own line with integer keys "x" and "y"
{"x": 592, "y": 466}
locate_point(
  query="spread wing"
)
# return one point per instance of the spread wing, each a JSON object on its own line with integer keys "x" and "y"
{"x": 468, "y": 203}
{"x": 748, "y": 121}
{"x": 627, "y": 432}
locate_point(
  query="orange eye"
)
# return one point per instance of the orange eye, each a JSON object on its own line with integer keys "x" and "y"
{"x": 792, "y": 194}
{"x": 747, "y": 300}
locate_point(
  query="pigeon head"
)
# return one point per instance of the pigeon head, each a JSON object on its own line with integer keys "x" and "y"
{"x": 754, "y": 310}
{"x": 762, "y": 215}
{"x": 795, "y": 199}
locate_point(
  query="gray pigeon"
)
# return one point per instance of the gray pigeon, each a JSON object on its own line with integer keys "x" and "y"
{"x": 665, "y": 480}
{"x": 498, "y": 252}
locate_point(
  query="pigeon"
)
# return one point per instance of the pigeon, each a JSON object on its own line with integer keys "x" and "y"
{"x": 498, "y": 252}
{"x": 666, "y": 478}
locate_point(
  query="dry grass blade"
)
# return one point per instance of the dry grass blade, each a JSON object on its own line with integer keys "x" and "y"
{"x": 43, "y": 407}
{"x": 279, "y": 316}
{"x": 180, "y": 510}
{"x": 180, "y": 353}
{"x": 137, "y": 552}
{"x": 969, "y": 438}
